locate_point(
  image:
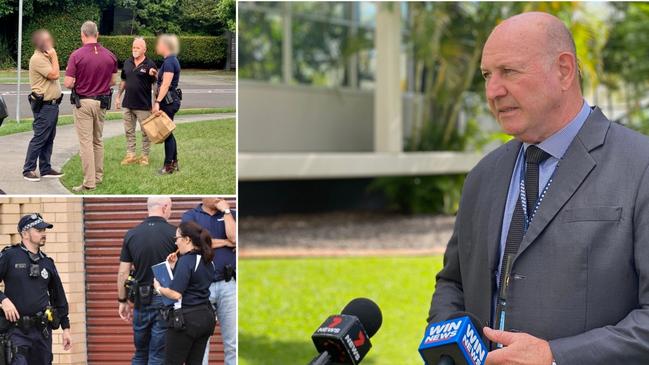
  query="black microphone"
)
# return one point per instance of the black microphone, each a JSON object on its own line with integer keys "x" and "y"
{"x": 455, "y": 341}
{"x": 345, "y": 338}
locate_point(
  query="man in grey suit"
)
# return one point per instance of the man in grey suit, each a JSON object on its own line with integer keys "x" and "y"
{"x": 551, "y": 242}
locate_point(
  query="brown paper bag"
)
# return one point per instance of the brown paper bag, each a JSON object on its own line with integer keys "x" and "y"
{"x": 158, "y": 127}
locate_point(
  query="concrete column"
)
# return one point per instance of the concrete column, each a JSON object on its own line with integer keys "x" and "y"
{"x": 287, "y": 44}
{"x": 388, "y": 128}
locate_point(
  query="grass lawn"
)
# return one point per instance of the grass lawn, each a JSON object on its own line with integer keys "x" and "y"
{"x": 10, "y": 126}
{"x": 207, "y": 155}
{"x": 281, "y": 303}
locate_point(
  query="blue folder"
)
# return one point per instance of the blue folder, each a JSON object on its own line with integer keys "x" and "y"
{"x": 164, "y": 275}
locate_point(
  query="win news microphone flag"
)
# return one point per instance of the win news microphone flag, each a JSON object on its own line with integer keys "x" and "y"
{"x": 345, "y": 338}
{"x": 456, "y": 341}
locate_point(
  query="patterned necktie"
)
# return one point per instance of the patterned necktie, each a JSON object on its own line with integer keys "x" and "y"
{"x": 533, "y": 157}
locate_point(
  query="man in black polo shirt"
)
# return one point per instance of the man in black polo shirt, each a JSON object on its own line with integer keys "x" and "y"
{"x": 215, "y": 215}
{"x": 138, "y": 75}
{"x": 147, "y": 244}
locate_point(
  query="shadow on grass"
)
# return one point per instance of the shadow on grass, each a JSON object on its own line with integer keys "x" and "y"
{"x": 254, "y": 349}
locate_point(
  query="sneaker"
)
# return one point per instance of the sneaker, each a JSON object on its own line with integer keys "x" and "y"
{"x": 144, "y": 160}
{"x": 129, "y": 159}
{"x": 52, "y": 174}
{"x": 31, "y": 176}
{"x": 81, "y": 188}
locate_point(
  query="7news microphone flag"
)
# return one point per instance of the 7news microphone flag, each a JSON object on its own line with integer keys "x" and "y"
{"x": 345, "y": 338}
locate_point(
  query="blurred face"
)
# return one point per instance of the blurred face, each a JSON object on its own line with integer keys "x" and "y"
{"x": 35, "y": 237}
{"x": 184, "y": 244}
{"x": 138, "y": 48}
{"x": 160, "y": 48}
{"x": 47, "y": 41}
{"x": 521, "y": 83}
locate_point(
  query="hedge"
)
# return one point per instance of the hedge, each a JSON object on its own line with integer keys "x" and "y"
{"x": 195, "y": 51}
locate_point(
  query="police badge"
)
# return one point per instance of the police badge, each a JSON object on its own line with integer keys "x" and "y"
{"x": 45, "y": 274}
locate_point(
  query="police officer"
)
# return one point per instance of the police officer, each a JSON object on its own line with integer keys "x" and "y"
{"x": 192, "y": 321}
{"x": 44, "y": 100}
{"x": 33, "y": 301}
{"x": 147, "y": 244}
{"x": 90, "y": 73}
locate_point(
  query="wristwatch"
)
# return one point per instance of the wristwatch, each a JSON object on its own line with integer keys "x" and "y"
{"x": 554, "y": 362}
{"x": 121, "y": 300}
{"x": 227, "y": 211}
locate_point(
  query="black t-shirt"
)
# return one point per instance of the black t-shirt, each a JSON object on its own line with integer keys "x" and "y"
{"x": 137, "y": 93}
{"x": 148, "y": 244}
{"x": 170, "y": 64}
{"x": 30, "y": 294}
{"x": 192, "y": 281}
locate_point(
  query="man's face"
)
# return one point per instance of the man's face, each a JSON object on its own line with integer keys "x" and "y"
{"x": 137, "y": 49}
{"x": 47, "y": 41}
{"x": 210, "y": 202}
{"x": 36, "y": 237}
{"x": 522, "y": 85}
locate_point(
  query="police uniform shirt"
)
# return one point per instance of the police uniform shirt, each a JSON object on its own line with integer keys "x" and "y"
{"x": 39, "y": 66}
{"x": 215, "y": 224}
{"x": 192, "y": 281}
{"x": 170, "y": 64}
{"x": 31, "y": 295}
{"x": 137, "y": 92}
{"x": 148, "y": 244}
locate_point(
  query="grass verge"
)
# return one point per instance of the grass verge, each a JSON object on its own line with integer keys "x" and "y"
{"x": 207, "y": 155}
{"x": 281, "y": 303}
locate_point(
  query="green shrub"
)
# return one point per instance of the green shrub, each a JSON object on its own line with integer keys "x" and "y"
{"x": 195, "y": 51}
{"x": 65, "y": 27}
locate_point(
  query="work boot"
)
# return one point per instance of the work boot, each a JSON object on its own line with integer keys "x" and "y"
{"x": 144, "y": 160}
{"x": 81, "y": 189}
{"x": 129, "y": 159}
{"x": 168, "y": 168}
{"x": 174, "y": 164}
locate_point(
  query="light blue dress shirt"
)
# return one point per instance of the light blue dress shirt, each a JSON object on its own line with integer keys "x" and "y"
{"x": 556, "y": 145}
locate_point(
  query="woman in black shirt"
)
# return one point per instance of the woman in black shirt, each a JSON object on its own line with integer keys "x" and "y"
{"x": 168, "y": 98}
{"x": 193, "y": 272}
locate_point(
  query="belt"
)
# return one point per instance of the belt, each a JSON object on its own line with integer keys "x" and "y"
{"x": 52, "y": 102}
{"x": 97, "y": 97}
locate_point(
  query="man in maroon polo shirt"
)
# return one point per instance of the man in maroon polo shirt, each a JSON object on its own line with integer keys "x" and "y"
{"x": 91, "y": 72}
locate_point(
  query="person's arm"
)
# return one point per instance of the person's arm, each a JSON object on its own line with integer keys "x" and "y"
{"x": 122, "y": 276}
{"x": 69, "y": 82}
{"x": 169, "y": 293}
{"x": 60, "y": 304}
{"x": 182, "y": 275}
{"x": 7, "y": 306}
{"x": 70, "y": 72}
{"x": 164, "y": 88}
{"x": 626, "y": 342}
{"x": 120, "y": 91}
{"x": 54, "y": 72}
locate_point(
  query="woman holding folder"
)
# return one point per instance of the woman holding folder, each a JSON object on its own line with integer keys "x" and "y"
{"x": 191, "y": 320}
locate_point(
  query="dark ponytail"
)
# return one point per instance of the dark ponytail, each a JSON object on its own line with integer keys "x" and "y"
{"x": 200, "y": 237}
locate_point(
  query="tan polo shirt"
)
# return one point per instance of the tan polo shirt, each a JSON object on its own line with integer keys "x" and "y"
{"x": 39, "y": 67}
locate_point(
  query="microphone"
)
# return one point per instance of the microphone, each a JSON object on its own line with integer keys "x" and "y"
{"x": 345, "y": 338}
{"x": 455, "y": 341}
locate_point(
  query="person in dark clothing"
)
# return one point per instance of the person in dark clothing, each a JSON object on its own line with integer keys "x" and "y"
{"x": 193, "y": 273}
{"x": 168, "y": 98}
{"x": 147, "y": 244}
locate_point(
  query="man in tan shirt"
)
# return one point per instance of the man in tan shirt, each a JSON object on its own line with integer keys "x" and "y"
{"x": 44, "y": 100}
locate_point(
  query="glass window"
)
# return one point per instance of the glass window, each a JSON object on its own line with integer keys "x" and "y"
{"x": 260, "y": 44}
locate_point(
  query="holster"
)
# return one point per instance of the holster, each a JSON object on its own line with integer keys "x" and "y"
{"x": 74, "y": 99}
{"x": 143, "y": 295}
{"x": 176, "y": 320}
{"x": 105, "y": 100}
{"x": 35, "y": 101}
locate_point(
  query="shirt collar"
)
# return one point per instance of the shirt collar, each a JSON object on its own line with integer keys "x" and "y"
{"x": 557, "y": 144}
{"x": 200, "y": 209}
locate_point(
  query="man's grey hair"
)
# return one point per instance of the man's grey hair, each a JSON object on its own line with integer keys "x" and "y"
{"x": 156, "y": 202}
{"x": 89, "y": 29}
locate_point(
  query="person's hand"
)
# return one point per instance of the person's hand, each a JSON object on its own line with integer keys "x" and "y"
{"x": 11, "y": 313}
{"x": 156, "y": 284}
{"x": 156, "y": 108}
{"x": 50, "y": 53}
{"x": 221, "y": 205}
{"x": 153, "y": 72}
{"x": 172, "y": 258}
{"x": 125, "y": 312}
{"x": 67, "y": 339}
{"x": 520, "y": 349}
{"x": 118, "y": 103}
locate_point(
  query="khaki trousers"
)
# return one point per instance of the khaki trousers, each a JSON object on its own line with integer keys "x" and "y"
{"x": 131, "y": 117}
{"x": 89, "y": 123}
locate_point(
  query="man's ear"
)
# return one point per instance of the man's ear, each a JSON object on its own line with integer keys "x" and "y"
{"x": 567, "y": 70}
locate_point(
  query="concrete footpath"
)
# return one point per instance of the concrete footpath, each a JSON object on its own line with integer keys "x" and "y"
{"x": 66, "y": 145}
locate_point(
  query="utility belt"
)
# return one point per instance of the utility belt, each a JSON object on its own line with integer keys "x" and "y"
{"x": 36, "y": 101}
{"x": 175, "y": 317}
{"x": 169, "y": 97}
{"x": 139, "y": 294}
{"x": 104, "y": 100}
{"x": 45, "y": 321}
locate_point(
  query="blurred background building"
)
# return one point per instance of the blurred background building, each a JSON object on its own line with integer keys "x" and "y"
{"x": 370, "y": 103}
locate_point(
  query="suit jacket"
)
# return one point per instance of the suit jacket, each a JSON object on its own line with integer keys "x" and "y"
{"x": 581, "y": 277}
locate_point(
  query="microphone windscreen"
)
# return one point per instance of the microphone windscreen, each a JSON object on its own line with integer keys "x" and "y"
{"x": 367, "y": 312}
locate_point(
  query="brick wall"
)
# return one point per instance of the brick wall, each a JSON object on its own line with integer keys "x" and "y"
{"x": 65, "y": 246}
